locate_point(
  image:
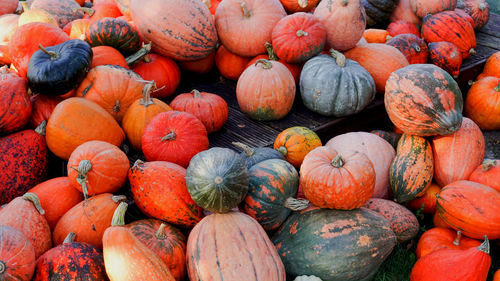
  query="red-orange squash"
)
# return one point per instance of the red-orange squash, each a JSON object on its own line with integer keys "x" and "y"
{"x": 411, "y": 46}
{"x": 421, "y": 8}
{"x": 295, "y": 143}
{"x": 479, "y": 10}
{"x": 427, "y": 201}
{"x": 293, "y": 6}
{"x": 403, "y": 11}
{"x": 375, "y": 35}
{"x": 492, "y": 66}
{"x": 482, "y": 103}
{"x": 42, "y": 108}
{"x": 107, "y": 55}
{"x": 488, "y": 173}
{"x": 77, "y": 28}
{"x": 230, "y": 65}
{"x": 295, "y": 69}
{"x": 15, "y": 105}
{"x": 438, "y": 238}
{"x": 17, "y": 255}
{"x": 447, "y": 56}
{"x": 402, "y": 27}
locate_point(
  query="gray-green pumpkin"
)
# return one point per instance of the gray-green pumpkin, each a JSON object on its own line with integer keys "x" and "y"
{"x": 378, "y": 11}
{"x": 336, "y": 86}
{"x": 217, "y": 179}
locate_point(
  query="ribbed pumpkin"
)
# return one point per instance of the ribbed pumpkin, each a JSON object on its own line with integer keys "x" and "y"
{"x": 457, "y": 155}
{"x": 140, "y": 113}
{"x": 488, "y": 173}
{"x": 482, "y": 103}
{"x": 182, "y": 30}
{"x": 266, "y": 90}
{"x": 217, "y": 179}
{"x": 209, "y": 108}
{"x": 479, "y": 10}
{"x": 116, "y": 33}
{"x": 159, "y": 190}
{"x": 174, "y": 136}
{"x": 253, "y": 156}
{"x": 342, "y": 246}
{"x": 424, "y": 7}
{"x": 295, "y": 143}
{"x": 427, "y": 201}
{"x": 17, "y": 255}
{"x": 232, "y": 246}
{"x": 71, "y": 261}
{"x": 451, "y": 27}
{"x": 271, "y": 191}
{"x": 294, "y": 68}
{"x": 64, "y": 11}
{"x": 344, "y": 22}
{"x": 230, "y": 65}
{"x": 294, "y": 6}
{"x": 77, "y": 28}
{"x": 447, "y": 56}
{"x": 244, "y": 26}
{"x": 402, "y": 27}
{"x": 166, "y": 241}
{"x": 411, "y": 46}
{"x": 438, "y": 238}
{"x": 378, "y": 11}
{"x": 15, "y": 105}
{"x": 492, "y": 66}
{"x": 126, "y": 258}
{"x": 380, "y": 60}
{"x": 334, "y": 86}
{"x": 77, "y": 120}
{"x": 423, "y": 100}
{"x": 470, "y": 207}
{"x": 107, "y": 55}
{"x": 334, "y": 179}
{"x": 42, "y": 108}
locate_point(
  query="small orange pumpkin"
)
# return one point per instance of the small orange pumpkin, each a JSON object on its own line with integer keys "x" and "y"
{"x": 491, "y": 67}
{"x": 230, "y": 65}
{"x": 107, "y": 55}
{"x": 442, "y": 238}
{"x": 17, "y": 255}
{"x": 295, "y": 143}
{"x": 482, "y": 103}
{"x": 428, "y": 200}
{"x": 488, "y": 174}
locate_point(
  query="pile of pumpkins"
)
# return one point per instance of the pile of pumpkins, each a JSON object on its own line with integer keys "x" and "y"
{"x": 84, "y": 78}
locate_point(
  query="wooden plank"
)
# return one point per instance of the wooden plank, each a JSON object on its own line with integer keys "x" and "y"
{"x": 255, "y": 132}
{"x": 492, "y": 27}
{"x": 488, "y": 40}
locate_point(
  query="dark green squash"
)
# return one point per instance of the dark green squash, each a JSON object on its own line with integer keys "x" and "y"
{"x": 378, "y": 11}
{"x": 335, "y": 86}
{"x": 256, "y": 155}
{"x": 58, "y": 69}
{"x": 116, "y": 33}
{"x": 217, "y": 179}
{"x": 335, "y": 245}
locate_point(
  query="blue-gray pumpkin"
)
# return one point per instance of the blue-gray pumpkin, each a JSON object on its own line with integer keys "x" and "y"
{"x": 256, "y": 155}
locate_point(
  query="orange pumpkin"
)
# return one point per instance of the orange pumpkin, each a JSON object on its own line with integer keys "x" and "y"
{"x": 17, "y": 255}
{"x": 488, "y": 174}
{"x": 403, "y": 11}
{"x": 77, "y": 28}
{"x": 294, "y": 68}
{"x": 295, "y": 143}
{"x": 421, "y": 8}
{"x": 9, "y": 25}
{"x": 482, "y": 103}
{"x": 402, "y": 27}
{"x": 293, "y": 6}
{"x": 230, "y": 65}
{"x": 202, "y": 66}
{"x": 496, "y": 277}
{"x": 438, "y": 238}
{"x": 428, "y": 200}
{"x": 374, "y": 35}
{"x": 107, "y": 55}
{"x": 491, "y": 67}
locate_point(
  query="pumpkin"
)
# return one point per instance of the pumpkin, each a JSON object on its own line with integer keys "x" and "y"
{"x": 379, "y": 151}
{"x": 496, "y": 277}
{"x": 402, "y": 27}
{"x": 271, "y": 191}
{"x": 247, "y": 254}
{"x": 375, "y": 35}
{"x": 427, "y": 201}
{"x": 107, "y": 55}
{"x": 140, "y": 113}
{"x": 202, "y": 66}
{"x": 295, "y": 143}
{"x": 77, "y": 28}
{"x": 479, "y": 10}
{"x": 166, "y": 241}
{"x": 492, "y": 66}
{"x": 467, "y": 265}
{"x": 103, "y": 10}
{"x": 74, "y": 121}
{"x": 457, "y": 155}
{"x": 482, "y": 103}
{"x": 451, "y": 27}
{"x": 71, "y": 261}
{"x": 461, "y": 13}
{"x": 244, "y": 26}
{"x": 212, "y": 5}
{"x": 15, "y": 105}
{"x": 25, "y": 214}
{"x": 42, "y": 108}
{"x": 88, "y": 219}
{"x": 24, "y": 162}
{"x": 347, "y": 88}
{"x": 266, "y": 90}
{"x": 217, "y": 179}
{"x": 64, "y": 11}
{"x": 60, "y": 188}
{"x": 380, "y": 60}
{"x": 294, "y": 6}
{"x": 353, "y": 243}
{"x": 411, "y": 46}
{"x": 447, "y": 56}
{"x": 96, "y": 167}
{"x": 113, "y": 32}
{"x": 294, "y": 68}
{"x": 378, "y": 11}
{"x": 8, "y": 7}
{"x": 17, "y": 255}
{"x": 337, "y": 179}
{"x": 159, "y": 190}
{"x": 126, "y": 258}
{"x": 487, "y": 173}
{"x": 438, "y": 238}
{"x": 298, "y": 37}
{"x": 174, "y": 136}
{"x": 391, "y": 137}
{"x": 8, "y": 23}
{"x": 421, "y": 8}
{"x": 403, "y": 11}
{"x": 423, "y": 100}
{"x": 253, "y": 156}
{"x": 183, "y": 30}
{"x": 35, "y": 15}
{"x": 123, "y": 6}
{"x": 230, "y": 65}
{"x": 209, "y": 108}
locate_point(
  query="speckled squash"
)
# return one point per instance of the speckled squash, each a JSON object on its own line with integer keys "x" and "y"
{"x": 64, "y": 11}
{"x": 442, "y": 238}
{"x": 17, "y": 255}
{"x": 295, "y": 143}
{"x": 256, "y": 155}
{"x": 115, "y": 33}
{"x": 411, "y": 46}
{"x": 342, "y": 245}
{"x": 479, "y": 10}
{"x": 447, "y": 56}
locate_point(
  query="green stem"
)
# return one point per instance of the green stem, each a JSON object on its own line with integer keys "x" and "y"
{"x": 52, "y": 55}
{"x": 339, "y": 57}
{"x": 196, "y": 93}
{"x": 146, "y": 99}
{"x": 456, "y": 242}
{"x": 160, "y": 233}
{"x": 301, "y": 33}
{"x": 488, "y": 164}
{"x": 137, "y": 56}
{"x": 246, "y": 13}
{"x": 497, "y": 88}
{"x": 296, "y": 204}
{"x": 169, "y": 136}
{"x": 41, "y": 128}
{"x": 265, "y": 63}
{"x": 270, "y": 52}
{"x": 70, "y": 238}
{"x": 338, "y": 162}
{"x": 283, "y": 150}
{"x": 485, "y": 246}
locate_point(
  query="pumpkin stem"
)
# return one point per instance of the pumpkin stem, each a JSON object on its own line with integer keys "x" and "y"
{"x": 196, "y": 93}
{"x": 117, "y": 107}
{"x": 497, "y": 88}
{"x": 83, "y": 168}
{"x": 70, "y": 238}
{"x": 301, "y": 33}
{"x": 52, "y": 55}
{"x": 169, "y": 136}
{"x": 137, "y": 56}
{"x": 118, "y": 198}
{"x": 296, "y": 204}
{"x": 472, "y": 51}
{"x": 338, "y": 162}
{"x": 119, "y": 215}
{"x": 146, "y": 94}
{"x": 33, "y": 198}
{"x": 485, "y": 246}
{"x": 138, "y": 162}
{"x": 270, "y": 52}
{"x": 417, "y": 48}
{"x": 456, "y": 242}
{"x": 481, "y": 6}
{"x": 160, "y": 233}
{"x": 41, "y": 128}
{"x": 265, "y": 63}
{"x": 246, "y": 13}
{"x": 283, "y": 150}
{"x": 345, "y": 2}
{"x": 340, "y": 58}
{"x": 86, "y": 10}
{"x": 302, "y": 3}
{"x": 488, "y": 164}
{"x": 218, "y": 180}
{"x": 247, "y": 149}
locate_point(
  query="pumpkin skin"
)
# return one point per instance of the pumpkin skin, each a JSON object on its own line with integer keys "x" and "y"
{"x": 428, "y": 200}
{"x": 245, "y": 26}
{"x": 236, "y": 231}
{"x": 209, "y": 108}
{"x": 423, "y": 100}
{"x": 77, "y": 28}
{"x": 102, "y": 10}
{"x": 298, "y": 37}
{"x": 375, "y": 35}
{"x": 17, "y": 255}
{"x": 402, "y": 27}
{"x": 15, "y": 105}
{"x": 202, "y": 66}
{"x": 107, "y": 55}
{"x": 438, "y": 238}
{"x": 374, "y": 55}
{"x": 42, "y": 108}
{"x": 64, "y": 11}
{"x": 73, "y": 122}
{"x": 272, "y": 183}
{"x": 212, "y": 5}
{"x": 482, "y": 103}
{"x": 342, "y": 245}
{"x": 168, "y": 243}
{"x": 36, "y": 15}
{"x": 113, "y": 32}
{"x": 411, "y": 46}
{"x": 391, "y": 137}
{"x": 379, "y": 151}
{"x": 8, "y": 7}
{"x": 159, "y": 190}
{"x": 230, "y": 65}
{"x": 8, "y": 23}
{"x": 174, "y": 136}
{"x": 294, "y": 6}
{"x": 457, "y": 155}
{"x": 295, "y": 143}
{"x": 217, "y": 179}
{"x": 342, "y": 180}
{"x": 253, "y": 156}
{"x": 491, "y": 67}
{"x": 451, "y": 27}
{"x": 421, "y": 8}
{"x": 403, "y": 11}
{"x": 184, "y": 30}
{"x": 294, "y": 68}
{"x": 487, "y": 173}
{"x": 479, "y": 10}
{"x": 334, "y": 86}
{"x": 378, "y": 12}
{"x": 447, "y": 56}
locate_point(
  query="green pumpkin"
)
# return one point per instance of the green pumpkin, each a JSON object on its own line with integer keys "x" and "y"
{"x": 335, "y": 245}
{"x": 378, "y": 11}
{"x": 256, "y": 155}
{"x": 336, "y": 86}
{"x": 217, "y": 179}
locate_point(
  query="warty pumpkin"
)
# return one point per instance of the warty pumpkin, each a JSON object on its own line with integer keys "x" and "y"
{"x": 421, "y": 8}
{"x": 17, "y": 255}
{"x": 402, "y": 27}
{"x": 447, "y": 56}
{"x": 438, "y": 238}
{"x": 230, "y": 65}
{"x": 15, "y": 105}
{"x": 488, "y": 173}
{"x": 64, "y": 11}
{"x": 295, "y": 143}
{"x": 482, "y": 103}
{"x": 426, "y": 201}
{"x": 113, "y": 32}
{"x": 411, "y": 46}
{"x": 107, "y": 55}
{"x": 294, "y": 6}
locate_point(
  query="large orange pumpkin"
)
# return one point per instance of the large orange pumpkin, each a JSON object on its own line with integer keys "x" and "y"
{"x": 482, "y": 103}
{"x": 491, "y": 67}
